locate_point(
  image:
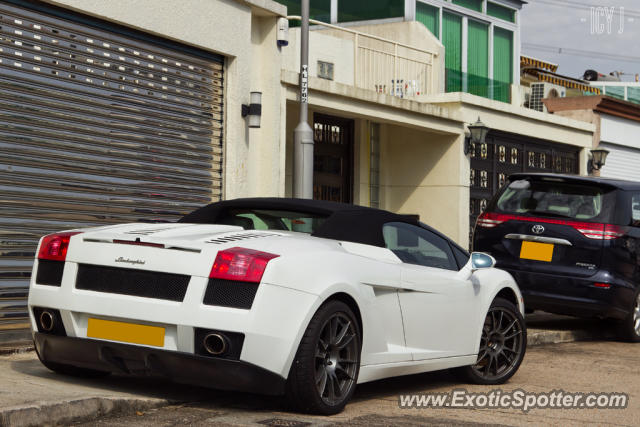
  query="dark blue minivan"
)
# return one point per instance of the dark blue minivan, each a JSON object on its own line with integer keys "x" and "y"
{"x": 572, "y": 244}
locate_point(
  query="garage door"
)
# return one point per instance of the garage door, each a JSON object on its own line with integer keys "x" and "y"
{"x": 622, "y": 162}
{"x": 98, "y": 125}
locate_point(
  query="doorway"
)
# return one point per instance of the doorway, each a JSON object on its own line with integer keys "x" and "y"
{"x": 332, "y": 158}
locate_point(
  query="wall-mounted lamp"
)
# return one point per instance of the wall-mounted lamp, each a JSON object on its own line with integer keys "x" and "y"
{"x": 478, "y": 134}
{"x": 598, "y": 158}
{"x": 253, "y": 110}
{"x": 282, "y": 32}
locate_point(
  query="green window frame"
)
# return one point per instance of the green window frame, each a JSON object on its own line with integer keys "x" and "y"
{"x": 502, "y": 64}
{"x": 366, "y": 10}
{"x": 477, "y": 58}
{"x": 452, "y": 41}
{"x": 501, "y": 12}
{"x": 470, "y": 4}
{"x": 429, "y": 16}
{"x": 502, "y": 55}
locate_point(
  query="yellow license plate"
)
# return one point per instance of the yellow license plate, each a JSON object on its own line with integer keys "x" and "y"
{"x": 125, "y": 332}
{"x": 536, "y": 251}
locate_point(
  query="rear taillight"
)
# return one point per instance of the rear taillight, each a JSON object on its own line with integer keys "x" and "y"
{"x": 590, "y": 230}
{"x": 490, "y": 219}
{"x": 54, "y": 246}
{"x": 614, "y": 231}
{"x": 242, "y": 264}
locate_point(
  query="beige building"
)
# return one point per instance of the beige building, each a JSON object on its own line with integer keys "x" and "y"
{"x": 406, "y": 151}
{"x": 131, "y": 109}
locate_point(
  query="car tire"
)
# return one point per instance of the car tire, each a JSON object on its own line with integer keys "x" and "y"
{"x": 502, "y": 345}
{"x": 324, "y": 373}
{"x": 630, "y": 327}
{"x": 72, "y": 371}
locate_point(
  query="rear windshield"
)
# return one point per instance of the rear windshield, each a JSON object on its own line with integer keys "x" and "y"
{"x": 265, "y": 219}
{"x": 557, "y": 199}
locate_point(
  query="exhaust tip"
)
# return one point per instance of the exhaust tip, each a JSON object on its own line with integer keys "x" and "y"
{"x": 47, "y": 321}
{"x": 215, "y": 344}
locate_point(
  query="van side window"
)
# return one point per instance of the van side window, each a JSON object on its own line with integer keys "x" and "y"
{"x": 635, "y": 210}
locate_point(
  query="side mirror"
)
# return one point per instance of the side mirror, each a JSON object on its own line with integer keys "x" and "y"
{"x": 481, "y": 260}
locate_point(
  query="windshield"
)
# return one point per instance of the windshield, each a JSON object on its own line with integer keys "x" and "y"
{"x": 584, "y": 202}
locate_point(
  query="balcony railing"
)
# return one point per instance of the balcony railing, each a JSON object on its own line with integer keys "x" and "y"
{"x": 386, "y": 66}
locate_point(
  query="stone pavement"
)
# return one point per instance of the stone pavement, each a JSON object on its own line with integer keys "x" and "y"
{"x": 30, "y": 394}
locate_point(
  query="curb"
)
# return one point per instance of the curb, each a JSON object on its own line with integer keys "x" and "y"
{"x": 7, "y": 350}
{"x": 537, "y": 337}
{"x": 75, "y": 410}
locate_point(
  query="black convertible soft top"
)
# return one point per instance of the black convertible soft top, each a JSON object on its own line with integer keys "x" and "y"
{"x": 345, "y": 222}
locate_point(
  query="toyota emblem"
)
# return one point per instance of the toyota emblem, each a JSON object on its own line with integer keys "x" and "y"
{"x": 538, "y": 229}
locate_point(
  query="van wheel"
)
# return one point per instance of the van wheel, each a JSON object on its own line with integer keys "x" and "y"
{"x": 630, "y": 327}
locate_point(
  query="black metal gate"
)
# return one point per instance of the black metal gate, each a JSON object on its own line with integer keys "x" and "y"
{"x": 332, "y": 158}
{"x": 503, "y": 154}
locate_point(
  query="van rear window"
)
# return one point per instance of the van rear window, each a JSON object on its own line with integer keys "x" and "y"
{"x": 557, "y": 199}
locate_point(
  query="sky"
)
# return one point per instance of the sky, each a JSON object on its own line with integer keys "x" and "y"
{"x": 576, "y": 37}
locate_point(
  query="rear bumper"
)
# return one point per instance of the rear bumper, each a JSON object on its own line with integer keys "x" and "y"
{"x": 180, "y": 367}
{"x": 575, "y": 296}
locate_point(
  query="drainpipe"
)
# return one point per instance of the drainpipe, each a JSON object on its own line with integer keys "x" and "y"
{"x": 303, "y": 134}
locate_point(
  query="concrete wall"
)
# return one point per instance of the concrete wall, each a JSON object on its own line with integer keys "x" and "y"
{"x": 337, "y": 47}
{"x": 322, "y": 47}
{"x": 263, "y": 152}
{"x": 242, "y": 31}
{"x": 422, "y": 173}
{"x": 588, "y": 116}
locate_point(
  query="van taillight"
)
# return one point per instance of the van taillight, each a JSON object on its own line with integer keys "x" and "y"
{"x": 590, "y": 230}
{"x": 600, "y": 231}
{"x": 490, "y": 219}
{"x": 54, "y": 246}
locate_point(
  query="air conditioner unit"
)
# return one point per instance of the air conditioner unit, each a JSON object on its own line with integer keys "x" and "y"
{"x": 540, "y": 91}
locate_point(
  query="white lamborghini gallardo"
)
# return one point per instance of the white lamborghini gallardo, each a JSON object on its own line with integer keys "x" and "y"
{"x": 279, "y": 296}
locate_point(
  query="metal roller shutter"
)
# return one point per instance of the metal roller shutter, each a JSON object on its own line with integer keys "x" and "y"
{"x": 97, "y": 126}
{"x": 622, "y": 162}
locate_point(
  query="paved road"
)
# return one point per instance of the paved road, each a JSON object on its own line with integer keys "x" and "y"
{"x": 606, "y": 366}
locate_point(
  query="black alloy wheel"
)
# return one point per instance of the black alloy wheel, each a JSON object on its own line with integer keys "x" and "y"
{"x": 336, "y": 358}
{"x": 325, "y": 370}
{"x": 502, "y": 345}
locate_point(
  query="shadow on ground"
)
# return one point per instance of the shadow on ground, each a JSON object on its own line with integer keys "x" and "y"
{"x": 163, "y": 388}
